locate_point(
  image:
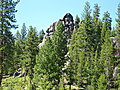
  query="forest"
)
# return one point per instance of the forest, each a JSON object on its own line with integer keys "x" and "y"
{"x": 87, "y": 57}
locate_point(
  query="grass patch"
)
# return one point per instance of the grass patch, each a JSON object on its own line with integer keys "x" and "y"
{"x": 16, "y": 83}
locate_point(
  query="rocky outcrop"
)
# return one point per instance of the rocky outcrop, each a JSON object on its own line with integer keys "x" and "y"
{"x": 68, "y": 22}
{"x": 116, "y": 47}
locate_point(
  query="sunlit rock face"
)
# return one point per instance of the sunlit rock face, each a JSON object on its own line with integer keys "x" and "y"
{"x": 68, "y": 22}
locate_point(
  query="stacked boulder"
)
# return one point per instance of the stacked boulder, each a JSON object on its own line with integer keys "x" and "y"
{"x": 68, "y": 22}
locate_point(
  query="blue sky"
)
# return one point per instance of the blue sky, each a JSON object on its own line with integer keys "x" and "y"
{"x": 42, "y": 13}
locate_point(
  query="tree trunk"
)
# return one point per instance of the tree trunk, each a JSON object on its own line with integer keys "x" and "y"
{"x": 1, "y": 68}
{"x": 1, "y": 58}
{"x": 1, "y": 74}
{"x": 70, "y": 87}
{"x": 31, "y": 75}
{"x": 25, "y": 76}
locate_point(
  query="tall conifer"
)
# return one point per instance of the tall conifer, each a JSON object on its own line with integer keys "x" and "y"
{"x": 18, "y": 50}
{"x": 107, "y": 57}
{"x": 7, "y": 20}
{"x": 51, "y": 59}
{"x": 117, "y": 65}
{"x": 30, "y": 52}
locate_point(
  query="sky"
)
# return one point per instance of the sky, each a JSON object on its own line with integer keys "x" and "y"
{"x": 43, "y": 13}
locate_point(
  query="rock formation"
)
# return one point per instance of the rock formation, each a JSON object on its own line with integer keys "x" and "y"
{"x": 116, "y": 46}
{"x": 68, "y": 22}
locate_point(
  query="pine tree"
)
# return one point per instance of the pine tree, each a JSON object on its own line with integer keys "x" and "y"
{"x": 30, "y": 52}
{"x": 97, "y": 24}
{"x": 88, "y": 44}
{"x": 87, "y": 20}
{"x": 60, "y": 49}
{"x": 77, "y": 45}
{"x": 23, "y": 38}
{"x": 103, "y": 32}
{"x": 81, "y": 50}
{"x": 42, "y": 32}
{"x": 77, "y": 22}
{"x": 79, "y": 57}
{"x": 7, "y": 20}
{"x": 107, "y": 57}
{"x": 96, "y": 12}
{"x": 97, "y": 27}
{"x": 51, "y": 59}
{"x": 18, "y": 50}
{"x": 20, "y": 47}
{"x": 44, "y": 68}
{"x": 41, "y": 35}
{"x": 23, "y": 32}
{"x": 117, "y": 64}
{"x": 71, "y": 70}
{"x": 118, "y": 28}
{"x": 108, "y": 20}
{"x": 8, "y": 53}
{"x": 18, "y": 36}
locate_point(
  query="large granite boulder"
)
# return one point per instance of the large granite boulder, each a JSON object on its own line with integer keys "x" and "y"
{"x": 68, "y": 22}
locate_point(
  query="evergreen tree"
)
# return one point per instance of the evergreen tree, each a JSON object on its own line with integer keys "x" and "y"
{"x": 20, "y": 47}
{"x": 77, "y": 45}
{"x": 88, "y": 43}
{"x": 51, "y": 59}
{"x": 107, "y": 19}
{"x": 18, "y": 36}
{"x": 79, "y": 57}
{"x": 18, "y": 50}
{"x": 23, "y": 38}
{"x": 77, "y": 22}
{"x": 81, "y": 50}
{"x": 30, "y": 52}
{"x": 9, "y": 53}
{"x": 118, "y": 13}
{"x": 118, "y": 28}
{"x": 103, "y": 32}
{"x": 96, "y": 12}
{"x": 97, "y": 24}
{"x": 71, "y": 70}
{"x": 59, "y": 42}
{"x": 44, "y": 68}
{"x": 7, "y": 20}
{"x": 41, "y": 35}
{"x": 107, "y": 57}
{"x": 23, "y": 32}
{"x": 117, "y": 64}
{"x": 42, "y": 32}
